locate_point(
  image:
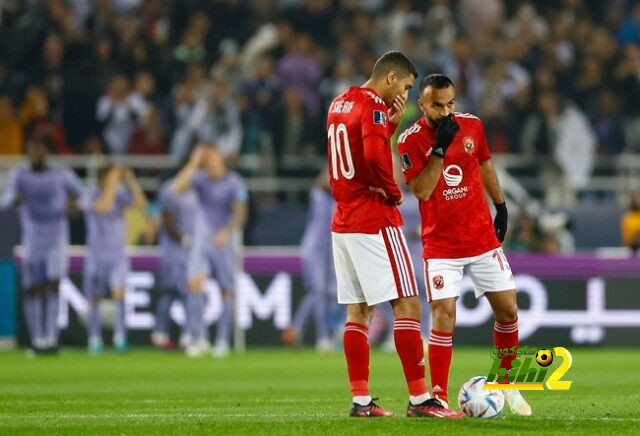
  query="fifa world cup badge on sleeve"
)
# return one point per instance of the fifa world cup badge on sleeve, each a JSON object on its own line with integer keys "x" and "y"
{"x": 379, "y": 117}
{"x": 406, "y": 161}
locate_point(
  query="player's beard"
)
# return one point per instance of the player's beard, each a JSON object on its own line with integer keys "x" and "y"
{"x": 434, "y": 122}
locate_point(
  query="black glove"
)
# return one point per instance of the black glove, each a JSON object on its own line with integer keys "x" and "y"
{"x": 500, "y": 221}
{"x": 445, "y": 133}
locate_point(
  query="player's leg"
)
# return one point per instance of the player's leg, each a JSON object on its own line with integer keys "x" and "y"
{"x": 160, "y": 335}
{"x": 33, "y": 286}
{"x": 355, "y": 336}
{"x": 195, "y": 303}
{"x": 313, "y": 304}
{"x": 395, "y": 282}
{"x": 51, "y": 314}
{"x": 441, "y": 345}
{"x": 56, "y": 269}
{"x": 291, "y": 336}
{"x": 198, "y": 269}
{"x": 168, "y": 285}
{"x": 94, "y": 286}
{"x": 492, "y": 277}
{"x": 117, "y": 278}
{"x": 321, "y": 306}
{"x": 222, "y": 260}
{"x": 442, "y": 278}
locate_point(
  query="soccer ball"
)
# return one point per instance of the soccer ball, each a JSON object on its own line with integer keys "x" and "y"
{"x": 544, "y": 357}
{"x": 475, "y": 402}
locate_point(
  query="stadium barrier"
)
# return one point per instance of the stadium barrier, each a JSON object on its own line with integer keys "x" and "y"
{"x": 564, "y": 300}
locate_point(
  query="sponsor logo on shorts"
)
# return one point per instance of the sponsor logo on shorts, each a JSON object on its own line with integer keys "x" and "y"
{"x": 438, "y": 282}
{"x": 469, "y": 145}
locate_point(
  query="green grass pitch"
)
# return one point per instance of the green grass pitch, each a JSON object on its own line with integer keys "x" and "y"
{"x": 287, "y": 392}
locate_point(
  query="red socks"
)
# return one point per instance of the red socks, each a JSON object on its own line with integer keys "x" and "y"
{"x": 505, "y": 335}
{"x": 406, "y": 333}
{"x": 356, "y": 350}
{"x": 440, "y": 350}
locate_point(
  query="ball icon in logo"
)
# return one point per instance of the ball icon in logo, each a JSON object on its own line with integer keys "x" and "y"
{"x": 452, "y": 175}
{"x": 544, "y": 357}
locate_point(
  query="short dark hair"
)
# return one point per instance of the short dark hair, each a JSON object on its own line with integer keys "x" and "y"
{"x": 436, "y": 80}
{"x": 393, "y": 61}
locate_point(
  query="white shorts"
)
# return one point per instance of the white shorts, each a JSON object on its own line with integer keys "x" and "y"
{"x": 490, "y": 272}
{"x": 373, "y": 268}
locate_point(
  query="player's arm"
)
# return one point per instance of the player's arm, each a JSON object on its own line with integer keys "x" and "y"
{"x": 12, "y": 195}
{"x": 73, "y": 188}
{"x": 492, "y": 187}
{"x": 425, "y": 182}
{"x": 182, "y": 181}
{"x": 239, "y": 213}
{"x": 378, "y": 156}
{"x": 139, "y": 199}
{"x": 104, "y": 203}
{"x": 490, "y": 182}
{"x": 170, "y": 224}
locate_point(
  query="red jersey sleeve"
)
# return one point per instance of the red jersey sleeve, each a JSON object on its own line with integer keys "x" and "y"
{"x": 412, "y": 158}
{"x": 483, "y": 147}
{"x": 374, "y": 120}
{"x": 378, "y": 156}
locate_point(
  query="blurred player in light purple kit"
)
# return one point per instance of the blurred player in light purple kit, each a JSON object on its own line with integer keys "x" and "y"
{"x": 317, "y": 268}
{"x": 223, "y": 200}
{"x": 41, "y": 191}
{"x": 106, "y": 264}
{"x": 181, "y": 222}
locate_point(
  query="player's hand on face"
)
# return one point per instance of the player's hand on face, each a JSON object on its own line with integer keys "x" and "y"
{"x": 197, "y": 156}
{"x": 127, "y": 175}
{"x": 445, "y": 132}
{"x": 398, "y": 109}
{"x": 221, "y": 237}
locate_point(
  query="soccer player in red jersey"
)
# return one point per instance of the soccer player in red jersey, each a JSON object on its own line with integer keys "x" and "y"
{"x": 447, "y": 164}
{"x": 370, "y": 253}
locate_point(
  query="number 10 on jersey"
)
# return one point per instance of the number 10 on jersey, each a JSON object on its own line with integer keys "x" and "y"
{"x": 340, "y": 151}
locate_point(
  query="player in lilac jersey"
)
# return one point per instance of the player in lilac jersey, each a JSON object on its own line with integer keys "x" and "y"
{"x": 317, "y": 268}
{"x": 223, "y": 198}
{"x": 181, "y": 225}
{"x": 42, "y": 191}
{"x": 106, "y": 264}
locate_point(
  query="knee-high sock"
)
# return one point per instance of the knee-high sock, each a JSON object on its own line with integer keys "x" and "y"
{"x": 408, "y": 340}
{"x": 225, "y": 322}
{"x": 440, "y": 351}
{"x": 51, "y": 323}
{"x": 195, "y": 322}
{"x": 32, "y": 306}
{"x": 93, "y": 320}
{"x": 119, "y": 326}
{"x": 356, "y": 350}
{"x": 505, "y": 335}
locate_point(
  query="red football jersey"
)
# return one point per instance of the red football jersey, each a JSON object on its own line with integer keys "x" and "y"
{"x": 456, "y": 221}
{"x": 353, "y": 116}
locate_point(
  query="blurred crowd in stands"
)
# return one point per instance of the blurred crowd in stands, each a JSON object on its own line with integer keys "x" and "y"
{"x": 558, "y": 80}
